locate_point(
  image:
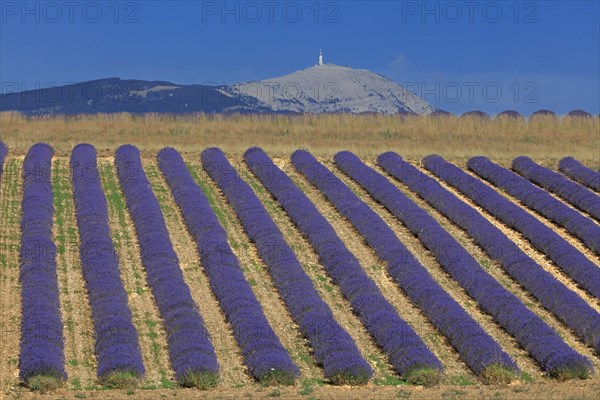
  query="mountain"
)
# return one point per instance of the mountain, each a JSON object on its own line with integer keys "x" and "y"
{"x": 329, "y": 88}
{"x": 319, "y": 89}
{"x": 114, "y": 95}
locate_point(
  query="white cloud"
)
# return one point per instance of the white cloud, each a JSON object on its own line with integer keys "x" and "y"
{"x": 398, "y": 63}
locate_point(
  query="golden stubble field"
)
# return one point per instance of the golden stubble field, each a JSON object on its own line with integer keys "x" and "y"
{"x": 501, "y": 139}
{"x": 366, "y": 136}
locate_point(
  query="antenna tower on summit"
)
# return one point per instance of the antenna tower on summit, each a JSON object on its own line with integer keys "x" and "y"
{"x": 320, "y": 57}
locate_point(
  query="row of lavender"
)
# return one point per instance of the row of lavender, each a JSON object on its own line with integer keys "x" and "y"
{"x": 552, "y": 294}
{"x": 575, "y": 194}
{"x": 192, "y": 355}
{"x": 406, "y": 352}
{"x": 564, "y": 255}
{"x": 333, "y": 348}
{"x": 474, "y": 346}
{"x": 116, "y": 340}
{"x": 530, "y": 331}
{"x": 580, "y": 173}
{"x": 264, "y": 355}
{"x": 3, "y": 153}
{"x": 539, "y": 200}
{"x": 191, "y": 352}
{"x": 42, "y": 344}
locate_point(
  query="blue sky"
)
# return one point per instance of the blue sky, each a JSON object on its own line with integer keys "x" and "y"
{"x": 458, "y": 55}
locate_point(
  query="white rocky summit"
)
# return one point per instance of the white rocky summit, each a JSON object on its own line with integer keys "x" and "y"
{"x": 330, "y": 88}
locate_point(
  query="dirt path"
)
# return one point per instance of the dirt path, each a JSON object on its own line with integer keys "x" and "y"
{"x": 146, "y": 318}
{"x": 80, "y": 360}
{"x": 579, "y": 390}
{"x": 11, "y": 192}
{"x": 232, "y": 369}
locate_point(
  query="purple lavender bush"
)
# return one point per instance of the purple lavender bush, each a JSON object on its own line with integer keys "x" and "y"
{"x": 191, "y": 352}
{"x": 575, "y": 194}
{"x": 3, "y": 153}
{"x": 116, "y": 340}
{"x": 474, "y": 346}
{"x": 407, "y": 353}
{"x": 333, "y": 347}
{"x": 533, "y": 334}
{"x": 565, "y": 304}
{"x": 539, "y": 200}
{"x": 566, "y": 257}
{"x": 580, "y": 173}
{"x": 41, "y": 359}
{"x": 266, "y": 358}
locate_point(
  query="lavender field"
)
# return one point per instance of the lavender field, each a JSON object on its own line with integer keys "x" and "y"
{"x": 258, "y": 275}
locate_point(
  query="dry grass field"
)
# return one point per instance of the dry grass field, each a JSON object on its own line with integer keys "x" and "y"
{"x": 545, "y": 139}
{"x": 501, "y": 139}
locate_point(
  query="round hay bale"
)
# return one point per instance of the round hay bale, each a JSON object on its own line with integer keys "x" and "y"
{"x": 542, "y": 114}
{"x": 441, "y": 113}
{"x": 510, "y": 114}
{"x": 475, "y": 114}
{"x": 578, "y": 114}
